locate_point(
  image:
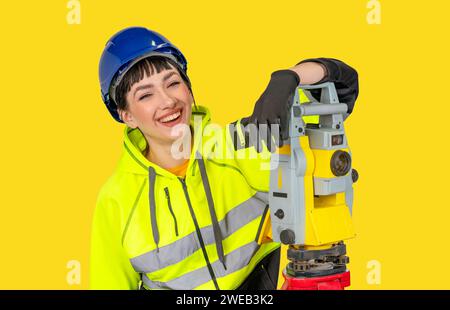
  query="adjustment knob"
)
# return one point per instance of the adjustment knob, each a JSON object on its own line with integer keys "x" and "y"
{"x": 287, "y": 236}
{"x": 355, "y": 175}
{"x": 279, "y": 214}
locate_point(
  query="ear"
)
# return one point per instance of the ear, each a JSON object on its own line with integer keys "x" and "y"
{"x": 127, "y": 118}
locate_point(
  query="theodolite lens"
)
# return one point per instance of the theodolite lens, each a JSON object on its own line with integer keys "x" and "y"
{"x": 341, "y": 162}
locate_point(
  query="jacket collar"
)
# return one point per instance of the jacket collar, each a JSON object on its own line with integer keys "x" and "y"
{"x": 133, "y": 160}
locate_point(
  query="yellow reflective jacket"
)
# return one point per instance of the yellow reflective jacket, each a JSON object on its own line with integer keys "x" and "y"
{"x": 156, "y": 230}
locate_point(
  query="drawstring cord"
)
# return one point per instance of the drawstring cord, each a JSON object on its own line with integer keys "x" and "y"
{"x": 151, "y": 198}
{"x": 216, "y": 228}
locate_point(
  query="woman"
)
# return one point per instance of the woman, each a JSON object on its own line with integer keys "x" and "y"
{"x": 165, "y": 221}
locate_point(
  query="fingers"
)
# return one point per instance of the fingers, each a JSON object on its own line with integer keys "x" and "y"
{"x": 259, "y": 134}
{"x": 270, "y": 143}
{"x": 263, "y": 134}
{"x": 276, "y": 130}
{"x": 254, "y": 130}
{"x": 268, "y": 134}
{"x": 275, "y": 135}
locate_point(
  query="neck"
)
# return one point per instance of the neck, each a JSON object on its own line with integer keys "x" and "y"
{"x": 160, "y": 153}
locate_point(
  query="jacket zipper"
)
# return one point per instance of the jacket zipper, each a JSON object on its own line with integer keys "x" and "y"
{"x": 199, "y": 235}
{"x": 166, "y": 190}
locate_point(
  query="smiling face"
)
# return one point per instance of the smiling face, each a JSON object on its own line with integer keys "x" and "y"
{"x": 157, "y": 103}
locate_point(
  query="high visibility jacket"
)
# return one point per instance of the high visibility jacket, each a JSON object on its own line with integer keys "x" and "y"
{"x": 154, "y": 229}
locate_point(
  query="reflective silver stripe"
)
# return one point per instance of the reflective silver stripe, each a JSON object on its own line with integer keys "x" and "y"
{"x": 235, "y": 261}
{"x": 177, "y": 251}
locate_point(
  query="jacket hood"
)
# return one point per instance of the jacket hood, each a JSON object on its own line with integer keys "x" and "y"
{"x": 133, "y": 160}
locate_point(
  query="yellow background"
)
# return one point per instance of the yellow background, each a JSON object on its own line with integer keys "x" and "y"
{"x": 59, "y": 144}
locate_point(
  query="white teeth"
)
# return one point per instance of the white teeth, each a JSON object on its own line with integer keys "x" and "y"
{"x": 170, "y": 117}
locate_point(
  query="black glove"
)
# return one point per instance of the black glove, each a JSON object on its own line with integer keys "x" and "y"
{"x": 273, "y": 107}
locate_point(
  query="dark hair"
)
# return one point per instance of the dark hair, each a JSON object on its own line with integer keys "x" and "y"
{"x": 147, "y": 67}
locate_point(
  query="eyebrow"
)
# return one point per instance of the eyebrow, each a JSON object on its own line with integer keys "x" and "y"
{"x": 165, "y": 78}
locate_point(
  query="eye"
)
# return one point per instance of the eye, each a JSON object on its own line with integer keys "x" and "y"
{"x": 174, "y": 83}
{"x": 145, "y": 96}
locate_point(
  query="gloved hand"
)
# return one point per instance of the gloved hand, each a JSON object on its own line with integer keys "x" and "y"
{"x": 273, "y": 107}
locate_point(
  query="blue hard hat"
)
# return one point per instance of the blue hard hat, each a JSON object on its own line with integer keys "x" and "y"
{"x": 126, "y": 48}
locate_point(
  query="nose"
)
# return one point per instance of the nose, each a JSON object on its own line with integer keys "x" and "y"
{"x": 167, "y": 101}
